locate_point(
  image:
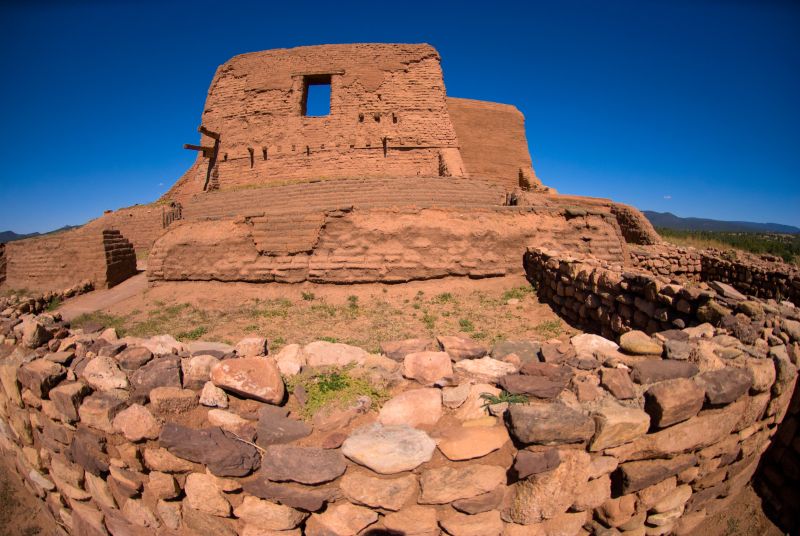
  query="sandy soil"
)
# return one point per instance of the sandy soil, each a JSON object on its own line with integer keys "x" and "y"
{"x": 21, "y": 513}
{"x": 744, "y": 517}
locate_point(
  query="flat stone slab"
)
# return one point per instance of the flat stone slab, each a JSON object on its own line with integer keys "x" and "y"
{"x": 224, "y": 455}
{"x": 658, "y": 370}
{"x": 389, "y": 449}
{"x": 724, "y": 386}
{"x": 549, "y": 424}
{"x": 306, "y": 465}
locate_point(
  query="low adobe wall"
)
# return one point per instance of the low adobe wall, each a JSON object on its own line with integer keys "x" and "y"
{"x": 2, "y": 263}
{"x": 53, "y": 262}
{"x": 764, "y": 277}
{"x": 154, "y": 436}
{"x": 375, "y": 245}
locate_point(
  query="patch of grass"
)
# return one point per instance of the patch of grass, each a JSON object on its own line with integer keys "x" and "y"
{"x": 324, "y": 309}
{"x": 505, "y": 396}
{"x": 277, "y": 343}
{"x": 329, "y": 339}
{"x": 53, "y": 304}
{"x": 278, "y": 308}
{"x": 250, "y": 328}
{"x": 517, "y": 293}
{"x": 352, "y": 303}
{"x": 444, "y": 297}
{"x": 429, "y": 320}
{"x": 550, "y": 328}
{"x": 466, "y": 325}
{"x": 335, "y": 388}
{"x": 104, "y": 319}
{"x": 193, "y": 334}
{"x": 308, "y": 296}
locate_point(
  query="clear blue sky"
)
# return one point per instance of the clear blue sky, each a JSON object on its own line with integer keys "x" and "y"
{"x": 685, "y": 106}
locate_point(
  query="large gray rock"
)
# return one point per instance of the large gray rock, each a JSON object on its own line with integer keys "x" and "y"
{"x": 389, "y": 449}
{"x": 306, "y": 465}
{"x": 223, "y": 454}
{"x": 549, "y": 424}
{"x": 725, "y": 385}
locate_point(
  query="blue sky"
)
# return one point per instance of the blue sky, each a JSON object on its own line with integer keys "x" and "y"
{"x": 683, "y": 106}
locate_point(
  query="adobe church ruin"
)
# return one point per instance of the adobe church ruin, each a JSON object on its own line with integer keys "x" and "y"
{"x": 398, "y": 182}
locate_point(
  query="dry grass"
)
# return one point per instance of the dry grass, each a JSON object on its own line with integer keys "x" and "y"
{"x": 357, "y": 317}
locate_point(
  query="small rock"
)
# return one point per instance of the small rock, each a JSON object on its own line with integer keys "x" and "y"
{"x": 224, "y": 456}
{"x": 453, "y": 397}
{"x": 99, "y": 409}
{"x": 527, "y": 351}
{"x": 212, "y": 396}
{"x": 618, "y": 383}
{"x": 230, "y": 422}
{"x": 268, "y": 516}
{"x": 250, "y": 377}
{"x": 67, "y": 398}
{"x": 333, "y": 354}
{"x": 724, "y": 386}
{"x": 639, "y": 343}
{"x": 484, "y": 369}
{"x": 529, "y": 463}
{"x": 464, "y": 443}
{"x": 386, "y": 493}
{"x": 136, "y": 423}
{"x": 251, "y": 347}
{"x": 672, "y": 401}
{"x": 290, "y": 360}
{"x": 413, "y": 521}
{"x": 276, "y": 427}
{"x": 485, "y": 524}
{"x": 428, "y": 368}
{"x": 617, "y": 424}
{"x": 549, "y": 424}
{"x": 459, "y": 348}
{"x": 588, "y": 345}
{"x": 307, "y": 465}
{"x": 398, "y": 350}
{"x": 389, "y": 449}
{"x": 657, "y": 370}
{"x": 134, "y": 358}
{"x": 416, "y": 407}
{"x": 309, "y": 499}
{"x": 172, "y": 400}
{"x": 481, "y": 503}
{"x": 447, "y": 484}
{"x": 160, "y": 372}
{"x": 341, "y": 520}
{"x": 40, "y": 376}
{"x": 162, "y": 486}
{"x": 202, "y": 495}
{"x": 197, "y": 370}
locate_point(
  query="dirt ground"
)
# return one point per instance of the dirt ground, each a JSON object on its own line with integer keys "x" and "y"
{"x": 21, "y": 513}
{"x": 363, "y": 315}
{"x": 744, "y": 517}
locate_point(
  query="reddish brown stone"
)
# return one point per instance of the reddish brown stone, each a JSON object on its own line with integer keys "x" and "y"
{"x": 618, "y": 383}
{"x": 657, "y": 370}
{"x": 673, "y": 401}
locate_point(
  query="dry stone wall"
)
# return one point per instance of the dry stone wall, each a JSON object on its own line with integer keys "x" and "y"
{"x": 375, "y": 245}
{"x": 154, "y": 436}
{"x": 60, "y": 260}
{"x": 765, "y": 276}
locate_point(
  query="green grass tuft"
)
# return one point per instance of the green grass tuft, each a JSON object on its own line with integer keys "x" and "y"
{"x": 335, "y": 388}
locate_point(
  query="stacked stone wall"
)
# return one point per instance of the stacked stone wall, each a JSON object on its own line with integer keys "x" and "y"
{"x": 154, "y": 436}
{"x": 60, "y": 260}
{"x": 764, "y": 277}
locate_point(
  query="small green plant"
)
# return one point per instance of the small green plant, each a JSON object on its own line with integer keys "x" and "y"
{"x": 550, "y": 328}
{"x": 53, "y": 304}
{"x": 417, "y": 305}
{"x": 352, "y": 303}
{"x": 504, "y": 396}
{"x": 429, "y": 320}
{"x": 308, "y": 296}
{"x": 324, "y": 309}
{"x": 444, "y": 297}
{"x": 193, "y": 334}
{"x": 277, "y": 342}
{"x": 104, "y": 319}
{"x": 336, "y": 388}
{"x": 517, "y": 293}
{"x": 329, "y": 339}
{"x": 466, "y": 325}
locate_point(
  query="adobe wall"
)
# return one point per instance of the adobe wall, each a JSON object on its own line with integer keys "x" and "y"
{"x": 56, "y": 261}
{"x": 492, "y": 141}
{"x": 154, "y": 436}
{"x": 374, "y": 245}
{"x": 388, "y": 117}
{"x": 140, "y": 224}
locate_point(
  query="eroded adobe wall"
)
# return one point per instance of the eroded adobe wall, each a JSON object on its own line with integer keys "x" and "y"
{"x": 150, "y": 436}
{"x": 140, "y": 224}
{"x": 492, "y": 140}
{"x": 64, "y": 259}
{"x": 375, "y": 245}
{"x": 388, "y": 117}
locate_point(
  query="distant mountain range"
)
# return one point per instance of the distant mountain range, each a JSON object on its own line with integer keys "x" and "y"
{"x": 671, "y": 221}
{"x": 10, "y": 236}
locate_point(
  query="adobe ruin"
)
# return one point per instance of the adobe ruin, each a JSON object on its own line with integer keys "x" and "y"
{"x": 649, "y": 429}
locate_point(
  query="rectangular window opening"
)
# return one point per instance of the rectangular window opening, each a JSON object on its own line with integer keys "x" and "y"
{"x": 317, "y": 95}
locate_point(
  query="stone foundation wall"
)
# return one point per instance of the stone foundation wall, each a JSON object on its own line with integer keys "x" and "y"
{"x": 154, "y": 436}
{"x": 375, "y": 245}
{"x": 764, "y": 277}
{"x": 53, "y": 262}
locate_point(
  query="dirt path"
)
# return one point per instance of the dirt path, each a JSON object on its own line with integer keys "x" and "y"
{"x": 103, "y": 299}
